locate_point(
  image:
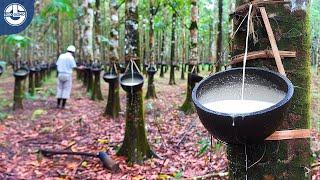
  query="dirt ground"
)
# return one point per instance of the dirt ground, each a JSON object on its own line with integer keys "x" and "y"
{"x": 177, "y": 138}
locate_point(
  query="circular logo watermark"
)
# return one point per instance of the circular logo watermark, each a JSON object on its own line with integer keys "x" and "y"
{"x": 15, "y": 14}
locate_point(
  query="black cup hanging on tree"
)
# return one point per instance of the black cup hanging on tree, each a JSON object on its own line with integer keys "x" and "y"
{"x": 111, "y": 76}
{"x": 132, "y": 80}
{"x": 20, "y": 75}
{"x": 96, "y": 90}
{"x": 151, "y": 91}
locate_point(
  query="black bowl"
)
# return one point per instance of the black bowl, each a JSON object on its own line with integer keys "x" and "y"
{"x": 151, "y": 71}
{"x": 194, "y": 78}
{"x": 32, "y": 70}
{"x": 244, "y": 128}
{"x": 1, "y": 70}
{"x": 128, "y": 86}
{"x": 44, "y": 67}
{"x": 109, "y": 77}
{"x": 96, "y": 69}
{"x": 21, "y": 73}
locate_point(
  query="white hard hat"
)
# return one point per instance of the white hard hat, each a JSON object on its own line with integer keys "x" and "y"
{"x": 71, "y": 49}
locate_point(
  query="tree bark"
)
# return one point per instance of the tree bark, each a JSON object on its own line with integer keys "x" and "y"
{"x": 162, "y": 56}
{"x": 173, "y": 46}
{"x": 151, "y": 91}
{"x": 113, "y": 104}
{"x": 285, "y": 159}
{"x": 187, "y": 106}
{"x": 18, "y": 94}
{"x": 135, "y": 144}
{"x": 88, "y": 40}
{"x": 219, "y": 41}
{"x": 96, "y": 91}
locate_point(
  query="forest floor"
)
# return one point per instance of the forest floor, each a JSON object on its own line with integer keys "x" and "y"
{"x": 179, "y": 139}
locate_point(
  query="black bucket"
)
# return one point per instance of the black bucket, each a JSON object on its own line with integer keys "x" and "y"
{"x": 244, "y": 128}
{"x": 21, "y": 73}
{"x": 1, "y": 70}
{"x": 43, "y": 67}
{"x": 151, "y": 71}
{"x": 110, "y": 77}
{"x": 32, "y": 70}
{"x": 125, "y": 81}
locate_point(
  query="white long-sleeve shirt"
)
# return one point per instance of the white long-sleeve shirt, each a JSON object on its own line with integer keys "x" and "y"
{"x": 66, "y": 63}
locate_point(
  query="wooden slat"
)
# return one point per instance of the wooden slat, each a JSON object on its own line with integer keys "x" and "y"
{"x": 261, "y": 54}
{"x": 289, "y": 134}
{"x": 272, "y": 40}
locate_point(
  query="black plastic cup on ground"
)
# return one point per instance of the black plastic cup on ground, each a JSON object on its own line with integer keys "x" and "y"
{"x": 248, "y": 127}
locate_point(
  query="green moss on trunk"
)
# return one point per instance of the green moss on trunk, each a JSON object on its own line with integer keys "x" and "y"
{"x": 188, "y": 107}
{"x": 172, "y": 79}
{"x": 282, "y": 159}
{"x": 182, "y": 71}
{"x": 113, "y": 105}
{"x": 135, "y": 145}
{"x": 151, "y": 91}
{"x": 162, "y": 70}
{"x": 96, "y": 92}
{"x": 89, "y": 82}
{"x": 37, "y": 79}
{"x": 18, "y": 94}
{"x": 31, "y": 88}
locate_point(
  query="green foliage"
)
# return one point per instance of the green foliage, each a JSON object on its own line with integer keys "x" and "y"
{"x": 205, "y": 146}
{"x": 315, "y": 18}
{"x": 59, "y": 6}
{"x": 18, "y": 40}
{"x": 178, "y": 175}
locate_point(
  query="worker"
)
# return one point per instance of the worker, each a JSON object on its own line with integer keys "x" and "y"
{"x": 65, "y": 65}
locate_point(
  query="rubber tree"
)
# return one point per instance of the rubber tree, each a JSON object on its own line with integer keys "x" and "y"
{"x": 183, "y": 51}
{"x": 187, "y": 106}
{"x": 88, "y": 40}
{"x": 219, "y": 49}
{"x": 113, "y": 104}
{"x": 172, "y": 80}
{"x": 151, "y": 91}
{"x": 162, "y": 53}
{"x": 96, "y": 89}
{"x": 135, "y": 146}
{"x": 285, "y": 159}
{"x": 34, "y": 51}
{"x": 18, "y": 42}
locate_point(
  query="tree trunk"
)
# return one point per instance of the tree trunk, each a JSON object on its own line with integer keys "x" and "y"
{"x": 187, "y": 106}
{"x": 58, "y": 35}
{"x": 88, "y": 40}
{"x": 219, "y": 41}
{"x": 162, "y": 56}
{"x": 96, "y": 91}
{"x": 18, "y": 94}
{"x": 113, "y": 104}
{"x": 151, "y": 91}
{"x": 173, "y": 46}
{"x": 135, "y": 144}
{"x": 287, "y": 159}
{"x": 183, "y": 52}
